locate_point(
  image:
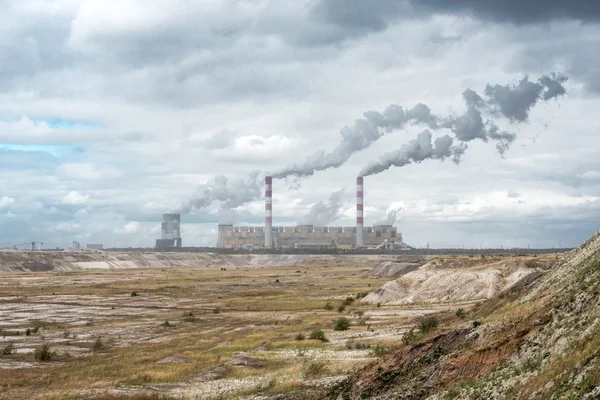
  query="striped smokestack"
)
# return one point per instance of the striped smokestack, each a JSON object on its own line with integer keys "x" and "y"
{"x": 359, "y": 212}
{"x": 268, "y": 212}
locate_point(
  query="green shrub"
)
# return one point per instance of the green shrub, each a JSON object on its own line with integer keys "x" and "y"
{"x": 328, "y": 306}
{"x": 341, "y": 308}
{"x": 28, "y": 332}
{"x": 167, "y": 324}
{"x": 476, "y": 324}
{"x": 43, "y": 353}
{"x": 314, "y": 369}
{"x": 341, "y": 324}
{"x": 348, "y": 301}
{"x": 428, "y": 324}
{"x": 380, "y": 350}
{"x": 460, "y": 313}
{"x": 98, "y": 344}
{"x": 378, "y": 305}
{"x": 409, "y": 337}
{"x": 361, "y": 295}
{"x": 300, "y": 337}
{"x": 8, "y": 349}
{"x": 133, "y": 294}
{"x": 317, "y": 334}
{"x": 216, "y": 310}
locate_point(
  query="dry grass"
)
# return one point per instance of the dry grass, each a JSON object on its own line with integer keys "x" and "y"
{"x": 255, "y": 312}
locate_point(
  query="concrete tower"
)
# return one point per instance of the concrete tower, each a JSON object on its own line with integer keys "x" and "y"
{"x": 359, "y": 212}
{"x": 268, "y": 212}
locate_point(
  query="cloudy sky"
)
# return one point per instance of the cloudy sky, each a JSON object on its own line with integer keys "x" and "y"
{"x": 114, "y": 112}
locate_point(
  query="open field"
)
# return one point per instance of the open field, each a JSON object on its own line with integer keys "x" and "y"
{"x": 202, "y": 333}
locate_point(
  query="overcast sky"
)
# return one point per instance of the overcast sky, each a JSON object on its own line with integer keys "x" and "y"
{"x": 114, "y": 112}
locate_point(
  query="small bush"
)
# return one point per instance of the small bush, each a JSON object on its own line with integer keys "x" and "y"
{"x": 133, "y": 294}
{"x": 476, "y": 324}
{"x": 428, "y": 324}
{"x": 314, "y": 369}
{"x": 341, "y": 308}
{"x": 361, "y": 295}
{"x": 8, "y": 349}
{"x": 28, "y": 332}
{"x": 167, "y": 324}
{"x": 341, "y": 324}
{"x": 378, "y": 305}
{"x": 43, "y": 353}
{"x": 300, "y": 337}
{"x": 35, "y": 329}
{"x": 328, "y": 306}
{"x": 98, "y": 344}
{"x": 409, "y": 337}
{"x": 216, "y": 310}
{"x": 317, "y": 334}
{"x": 190, "y": 319}
{"x": 348, "y": 301}
{"x": 277, "y": 281}
{"x": 188, "y": 314}
{"x": 380, "y": 350}
{"x": 460, "y": 313}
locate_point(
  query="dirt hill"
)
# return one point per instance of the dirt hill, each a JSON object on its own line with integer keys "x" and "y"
{"x": 456, "y": 279}
{"x": 536, "y": 340}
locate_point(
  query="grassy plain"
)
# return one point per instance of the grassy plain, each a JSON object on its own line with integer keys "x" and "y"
{"x": 188, "y": 332}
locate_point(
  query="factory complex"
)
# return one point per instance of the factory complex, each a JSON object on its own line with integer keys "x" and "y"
{"x": 299, "y": 237}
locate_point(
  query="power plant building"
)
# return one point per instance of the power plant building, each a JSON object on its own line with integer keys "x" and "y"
{"x": 170, "y": 232}
{"x": 307, "y": 236}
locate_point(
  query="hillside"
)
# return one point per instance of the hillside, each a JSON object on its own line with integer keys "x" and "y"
{"x": 537, "y": 340}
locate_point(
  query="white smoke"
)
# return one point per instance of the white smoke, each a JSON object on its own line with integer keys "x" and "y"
{"x": 324, "y": 213}
{"x": 230, "y": 194}
{"x": 511, "y": 102}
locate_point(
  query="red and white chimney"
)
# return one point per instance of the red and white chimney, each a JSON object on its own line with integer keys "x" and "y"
{"x": 359, "y": 212}
{"x": 268, "y": 212}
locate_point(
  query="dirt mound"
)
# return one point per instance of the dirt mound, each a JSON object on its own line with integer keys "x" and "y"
{"x": 536, "y": 340}
{"x": 455, "y": 279}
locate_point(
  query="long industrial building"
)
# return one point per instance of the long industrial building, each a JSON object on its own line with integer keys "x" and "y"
{"x": 309, "y": 236}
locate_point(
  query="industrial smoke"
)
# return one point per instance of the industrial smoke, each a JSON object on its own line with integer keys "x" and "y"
{"x": 323, "y": 213}
{"x": 510, "y": 102}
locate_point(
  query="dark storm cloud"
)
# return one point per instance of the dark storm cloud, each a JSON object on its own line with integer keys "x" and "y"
{"x": 515, "y": 11}
{"x": 363, "y": 16}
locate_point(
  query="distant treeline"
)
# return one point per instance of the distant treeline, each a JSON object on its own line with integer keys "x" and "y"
{"x": 420, "y": 252}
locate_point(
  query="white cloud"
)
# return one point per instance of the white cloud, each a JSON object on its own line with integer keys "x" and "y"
{"x": 87, "y": 172}
{"x": 6, "y": 202}
{"x": 130, "y": 227}
{"x": 67, "y": 227}
{"x": 591, "y": 175}
{"x": 75, "y": 198}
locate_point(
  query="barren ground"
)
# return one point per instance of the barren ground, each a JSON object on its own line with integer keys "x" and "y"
{"x": 231, "y": 330}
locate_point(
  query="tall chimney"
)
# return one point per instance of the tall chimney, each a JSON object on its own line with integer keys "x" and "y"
{"x": 268, "y": 212}
{"x": 359, "y": 212}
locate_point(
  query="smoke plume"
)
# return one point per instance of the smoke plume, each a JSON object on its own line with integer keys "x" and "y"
{"x": 511, "y": 102}
{"x": 361, "y": 135}
{"x": 417, "y": 150}
{"x": 230, "y": 194}
{"x": 390, "y": 219}
{"x": 323, "y": 213}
